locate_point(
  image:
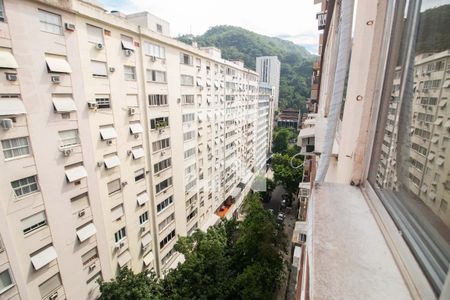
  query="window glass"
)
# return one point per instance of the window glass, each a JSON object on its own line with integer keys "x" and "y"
{"x": 48, "y": 287}
{"x": 15, "y": 147}
{"x": 2, "y": 11}
{"x": 34, "y": 222}
{"x": 68, "y": 138}
{"x": 95, "y": 34}
{"x": 99, "y": 68}
{"x": 129, "y": 72}
{"x": 5, "y": 280}
{"x": 50, "y": 22}
{"x": 114, "y": 186}
{"x": 411, "y": 164}
{"x": 89, "y": 256}
{"x": 25, "y": 186}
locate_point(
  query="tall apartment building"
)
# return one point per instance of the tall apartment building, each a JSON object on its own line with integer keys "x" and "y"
{"x": 374, "y": 221}
{"x": 268, "y": 68}
{"x": 115, "y": 140}
{"x": 263, "y": 140}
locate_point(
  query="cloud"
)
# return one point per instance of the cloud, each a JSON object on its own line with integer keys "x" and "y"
{"x": 289, "y": 19}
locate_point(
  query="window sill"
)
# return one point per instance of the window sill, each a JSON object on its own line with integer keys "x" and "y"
{"x": 348, "y": 254}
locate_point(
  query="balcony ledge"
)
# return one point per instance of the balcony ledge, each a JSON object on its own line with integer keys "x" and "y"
{"x": 349, "y": 256}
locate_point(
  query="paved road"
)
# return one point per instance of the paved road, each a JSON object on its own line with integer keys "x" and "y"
{"x": 275, "y": 201}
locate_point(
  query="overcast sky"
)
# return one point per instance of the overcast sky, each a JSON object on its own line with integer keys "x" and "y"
{"x": 293, "y": 20}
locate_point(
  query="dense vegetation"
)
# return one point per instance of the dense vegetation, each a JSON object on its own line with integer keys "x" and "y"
{"x": 232, "y": 260}
{"x": 434, "y": 27}
{"x": 240, "y": 44}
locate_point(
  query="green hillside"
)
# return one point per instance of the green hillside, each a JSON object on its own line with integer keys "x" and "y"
{"x": 433, "y": 35}
{"x": 239, "y": 43}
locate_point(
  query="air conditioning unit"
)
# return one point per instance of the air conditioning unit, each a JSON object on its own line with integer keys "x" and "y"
{"x": 11, "y": 76}
{"x": 69, "y": 26}
{"x": 66, "y": 152}
{"x": 56, "y": 79}
{"x": 136, "y": 136}
{"x": 92, "y": 105}
{"x": 99, "y": 46}
{"x": 81, "y": 213}
{"x": 127, "y": 52}
{"x": 152, "y": 58}
{"x": 6, "y": 123}
{"x": 53, "y": 296}
{"x": 131, "y": 111}
{"x": 109, "y": 142}
{"x": 92, "y": 267}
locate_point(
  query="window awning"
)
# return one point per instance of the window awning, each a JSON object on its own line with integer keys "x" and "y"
{"x": 136, "y": 128}
{"x": 442, "y": 103}
{"x": 11, "y": 106}
{"x": 235, "y": 192}
{"x": 75, "y": 173}
{"x": 438, "y": 121}
{"x": 199, "y": 82}
{"x": 57, "y": 64}
{"x": 148, "y": 258}
{"x": 127, "y": 45}
{"x": 64, "y": 104}
{"x": 447, "y": 124}
{"x": 7, "y": 60}
{"x": 44, "y": 257}
{"x": 440, "y": 161}
{"x": 435, "y": 139}
{"x": 117, "y": 212}
{"x": 431, "y": 156}
{"x": 447, "y": 83}
{"x": 208, "y": 82}
{"x": 221, "y": 84}
{"x": 137, "y": 152}
{"x": 111, "y": 161}
{"x": 146, "y": 239}
{"x": 423, "y": 189}
{"x": 247, "y": 178}
{"x": 124, "y": 258}
{"x": 142, "y": 198}
{"x": 432, "y": 195}
{"x": 86, "y": 232}
{"x": 216, "y": 84}
{"x": 108, "y": 133}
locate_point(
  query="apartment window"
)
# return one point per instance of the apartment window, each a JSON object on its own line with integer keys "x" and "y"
{"x": 154, "y": 50}
{"x": 163, "y": 185}
{"x": 161, "y": 144}
{"x": 129, "y": 72}
{"x": 186, "y": 59}
{"x": 114, "y": 186}
{"x": 164, "y": 204}
{"x": 157, "y": 100}
{"x": 189, "y": 135}
{"x": 34, "y": 222}
{"x": 50, "y": 286}
{"x": 127, "y": 42}
{"x": 94, "y": 34}
{"x": 99, "y": 69}
{"x": 16, "y": 147}
{"x": 117, "y": 212}
{"x": 192, "y": 215}
{"x": 189, "y": 152}
{"x": 5, "y": 281}
{"x": 50, "y": 22}
{"x": 2, "y": 11}
{"x": 162, "y": 165}
{"x": 143, "y": 218}
{"x": 164, "y": 223}
{"x": 407, "y": 194}
{"x": 89, "y": 256}
{"x": 187, "y": 80}
{"x": 139, "y": 175}
{"x": 156, "y": 76}
{"x": 158, "y": 123}
{"x": 167, "y": 257}
{"x": 120, "y": 235}
{"x": 190, "y": 169}
{"x": 188, "y": 99}
{"x": 159, "y": 28}
{"x": 190, "y": 185}
{"x": 68, "y": 138}
{"x": 25, "y": 186}
{"x": 190, "y": 117}
{"x": 102, "y": 101}
{"x": 167, "y": 239}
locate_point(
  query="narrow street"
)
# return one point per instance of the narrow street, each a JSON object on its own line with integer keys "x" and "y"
{"x": 289, "y": 223}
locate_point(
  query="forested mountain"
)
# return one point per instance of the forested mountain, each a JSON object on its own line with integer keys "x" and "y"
{"x": 434, "y": 31}
{"x": 239, "y": 43}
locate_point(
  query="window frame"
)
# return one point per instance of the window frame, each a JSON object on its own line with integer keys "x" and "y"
{"x": 41, "y": 22}
{"x": 36, "y": 182}
{"x": 2, "y": 12}
{"x": 129, "y": 73}
{"x": 8, "y": 270}
{"x": 407, "y": 263}
{"x": 12, "y": 148}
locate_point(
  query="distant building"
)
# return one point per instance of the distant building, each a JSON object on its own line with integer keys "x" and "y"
{"x": 268, "y": 68}
{"x": 288, "y": 118}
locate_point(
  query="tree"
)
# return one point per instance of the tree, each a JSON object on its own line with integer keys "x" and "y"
{"x": 281, "y": 140}
{"x": 130, "y": 286}
{"x": 285, "y": 173}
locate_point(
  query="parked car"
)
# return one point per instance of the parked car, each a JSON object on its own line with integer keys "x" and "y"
{"x": 270, "y": 210}
{"x": 283, "y": 204}
{"x": 280, "y": 217}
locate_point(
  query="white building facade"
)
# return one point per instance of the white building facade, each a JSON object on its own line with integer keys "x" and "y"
{"x": 268, "y": 68}
{"x": 116, "y": 139}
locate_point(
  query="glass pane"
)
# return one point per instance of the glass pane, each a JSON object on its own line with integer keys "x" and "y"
{"x": 411, "y": 164}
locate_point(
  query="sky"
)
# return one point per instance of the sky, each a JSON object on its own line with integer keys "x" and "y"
{"x": 292, "y": 20}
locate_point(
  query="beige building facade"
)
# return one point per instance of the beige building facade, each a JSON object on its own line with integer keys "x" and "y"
{"x": 116, "y": 139}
